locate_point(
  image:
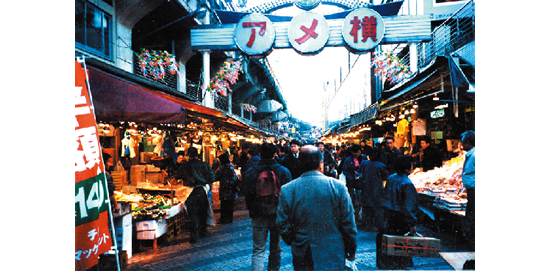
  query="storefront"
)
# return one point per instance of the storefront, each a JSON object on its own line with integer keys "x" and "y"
{"x": 144, "y": 129}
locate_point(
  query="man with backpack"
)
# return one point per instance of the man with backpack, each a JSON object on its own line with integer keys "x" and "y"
{"x": 261, "y": 188}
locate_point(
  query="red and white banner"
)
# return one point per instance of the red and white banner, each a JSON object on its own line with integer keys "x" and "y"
{"x": 92, "y": 236}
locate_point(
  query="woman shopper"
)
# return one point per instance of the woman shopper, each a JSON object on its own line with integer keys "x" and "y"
{"x": 400, "y": 207}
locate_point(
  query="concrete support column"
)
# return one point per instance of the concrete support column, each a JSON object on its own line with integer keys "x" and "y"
{"x": 207, "y": 101}
{"x": 413, "y": 53}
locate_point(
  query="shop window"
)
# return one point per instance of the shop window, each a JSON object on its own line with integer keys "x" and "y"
{"x": 92, "y": 29}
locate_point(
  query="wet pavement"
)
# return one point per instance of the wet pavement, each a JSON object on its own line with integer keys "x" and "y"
{"x": 229, "y": 247}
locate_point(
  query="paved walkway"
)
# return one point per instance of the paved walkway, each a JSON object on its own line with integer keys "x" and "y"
{"x": 229, "y": 247}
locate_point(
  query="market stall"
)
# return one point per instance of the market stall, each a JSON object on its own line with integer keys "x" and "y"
{"x": 442, "y": 196}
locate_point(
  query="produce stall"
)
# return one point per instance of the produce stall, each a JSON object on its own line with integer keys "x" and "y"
{"x": 157, "y": 210}
{"x": 442, "y": 196}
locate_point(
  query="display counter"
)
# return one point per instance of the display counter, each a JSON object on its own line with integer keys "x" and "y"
{"x": 442, "y": 196}
{"x": 170, "y": 224}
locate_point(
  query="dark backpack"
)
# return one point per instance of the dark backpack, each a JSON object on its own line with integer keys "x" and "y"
{"x": 228, "y": 183}
{"x": 268, "y": 188}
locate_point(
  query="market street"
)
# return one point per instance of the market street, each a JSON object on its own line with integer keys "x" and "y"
{"x": 229, "y": 247}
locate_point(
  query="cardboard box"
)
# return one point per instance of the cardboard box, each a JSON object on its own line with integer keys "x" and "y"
{"x": 123, "y": 231}
{"x": 137, "y": 174}
{"x": 411, "y": 246}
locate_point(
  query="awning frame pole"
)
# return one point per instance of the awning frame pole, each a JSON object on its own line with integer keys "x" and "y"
{"x": 113, "y": 233}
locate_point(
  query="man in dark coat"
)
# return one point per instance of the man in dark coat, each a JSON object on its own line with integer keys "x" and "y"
{"x": 328, "y": 160}
{"x": 400, "y": 209}
{"x": 389, "y": 154}
{"x": 252, "y": 160}
{"x": 373, "y": 174}
{"x": 429, "y": 156}
{"x": 351, "y": 169}
{"x": 292, "y": 162}
{"x": 263, "y": 224}
{"x": 199, "y": 175}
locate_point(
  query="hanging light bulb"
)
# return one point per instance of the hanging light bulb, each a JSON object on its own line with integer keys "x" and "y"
{"x": 415, "y": 105}
{"x": 413, "y": 111}
{"x": 436, "y": 98}
{"x": 407, "y": 112}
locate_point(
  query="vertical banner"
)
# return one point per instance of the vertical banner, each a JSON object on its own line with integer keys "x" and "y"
{"x": 92, "y": 237}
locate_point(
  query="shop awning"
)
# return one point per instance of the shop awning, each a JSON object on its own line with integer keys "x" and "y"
{"x": 116, "y": 99}
{"x": 368, "y": 113}
{"x": 414, "y": 85}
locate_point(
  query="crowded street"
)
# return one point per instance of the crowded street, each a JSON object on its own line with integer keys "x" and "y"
{"x": 229, "y": 247}
{"x": 275, "y": 135}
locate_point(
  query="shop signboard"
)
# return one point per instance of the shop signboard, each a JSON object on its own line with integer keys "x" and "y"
{"x": 308, "y": 32}
{"x": 437, "y": 113}
{"x": 363, "y": 29}
{"x": 254, "y": 34}
{"x": 92, "y": 236}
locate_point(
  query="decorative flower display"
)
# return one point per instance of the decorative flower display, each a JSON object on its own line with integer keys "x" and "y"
{"x": 226, "y": 75}
{"x": 155, "y": 63}
{"x": 387, "y": 65}
{"x": 249, "y": 108}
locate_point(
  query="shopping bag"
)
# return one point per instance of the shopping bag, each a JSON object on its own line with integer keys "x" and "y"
{"x": 351, "y": 265}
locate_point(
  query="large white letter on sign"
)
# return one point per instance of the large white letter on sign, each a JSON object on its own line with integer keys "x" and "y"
{"x": 254, "y": 34}
{"x": 363, "y": 29}
{"x": 308, "y": 32}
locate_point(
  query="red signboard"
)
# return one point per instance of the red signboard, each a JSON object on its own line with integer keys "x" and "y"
{"x": 363, "y": 29}
{"x": 308, "y": 32}
{"x": 255, "y": 34}
{"x": 92, "y": 236}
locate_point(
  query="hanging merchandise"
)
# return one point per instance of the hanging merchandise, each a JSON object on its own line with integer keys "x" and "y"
{"x": 249, "y": 108}
{"x": 128, "y": 145}
{"x": 226, "y": 75}
{"x": 155, "y": 63}
{"x": 418, "y": 127}
{"x": 389, "y": 66}
{"x": 402, "y": 126}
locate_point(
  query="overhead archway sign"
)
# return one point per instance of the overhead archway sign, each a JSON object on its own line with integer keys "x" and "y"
{"x": 361, "y": 30}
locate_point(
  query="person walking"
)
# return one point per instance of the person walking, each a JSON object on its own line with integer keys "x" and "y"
{"x": 328, "y": 161}
{"x": 400, "y": 208}
{"x": 315, "y": 217}
{"x": 429, "y": 156}
{"x": 351, "y": 169}
{"x": 373, "y": 174}
{"x": 469, "y": 182}
{"x": 389, "y": 154}
{"x": 263, "y": 210}
{"x": 292, "y": 162}
{"x": 199, "y": 175}
{"x": 253, "y": 158}
{"x": 227, "y": 177}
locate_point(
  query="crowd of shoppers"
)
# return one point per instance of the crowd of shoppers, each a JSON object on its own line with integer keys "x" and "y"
{"x": 314, "y": 197}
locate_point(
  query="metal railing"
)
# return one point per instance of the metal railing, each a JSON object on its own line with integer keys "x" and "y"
{"x": 455, "y": 32}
